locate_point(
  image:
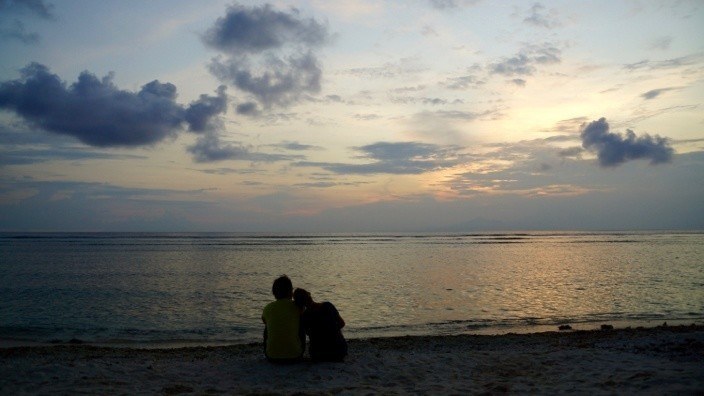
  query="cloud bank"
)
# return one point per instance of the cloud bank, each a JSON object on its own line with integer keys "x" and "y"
{"x": 614, "y": 149}
{"x": 398, "y": 158}
{"x": 98, "y": 113}
{"x": 268, "y": 54}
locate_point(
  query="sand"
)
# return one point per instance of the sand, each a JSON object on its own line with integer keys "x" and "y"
{"x": 662, "y": 360}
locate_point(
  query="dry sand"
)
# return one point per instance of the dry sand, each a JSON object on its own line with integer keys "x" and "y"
{"x": 662, "y": 360}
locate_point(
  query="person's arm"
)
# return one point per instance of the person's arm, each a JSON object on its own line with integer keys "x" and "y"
{"x": 340, "y": 321}
{"x": 302, "y": 335}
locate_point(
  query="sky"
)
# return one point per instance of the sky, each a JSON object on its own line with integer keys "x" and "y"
{"x": 351, "y": 116}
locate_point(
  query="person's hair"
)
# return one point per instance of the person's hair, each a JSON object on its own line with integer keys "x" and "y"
{"x": 282, "y": 287}
{"x": 301, "y": 297}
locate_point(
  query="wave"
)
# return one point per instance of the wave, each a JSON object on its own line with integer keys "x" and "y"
{"x": 154, "y": 338}
{"x": 263, "y": 239}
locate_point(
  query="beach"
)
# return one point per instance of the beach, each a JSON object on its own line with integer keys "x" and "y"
{"x": 658, "y": 360}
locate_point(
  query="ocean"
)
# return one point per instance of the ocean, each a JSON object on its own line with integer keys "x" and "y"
{"x": 175, "y": 289}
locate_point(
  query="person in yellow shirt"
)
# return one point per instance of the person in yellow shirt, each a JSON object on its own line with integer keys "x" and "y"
{"x": 284, "y": 337}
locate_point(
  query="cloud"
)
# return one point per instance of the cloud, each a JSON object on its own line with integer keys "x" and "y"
{"x": 571, "y": 152}
{"x": 388, "y": 70}
{"x": 324, "y": 184}
{"x": 248, "y": 108}
{"x": 98, "y": 113}
{"x": 269, "y": 54}
{"x": 524, "y": 63}
{"x": 686, "y": 60}
{"x": 538, "y": 17}
{"x": 257, "y": 29}
{"x": 652, "y": 94}
{"x": 451, "y": 4}
{"x": 399, "y": 158}
{"x": 569, "y": 125}
{"x": 661, "y": 43}
{"x": 614, "y": 149}
{"x": 295, "y": 146}
{"x": 12, "y": 28}
{"x": 38, "y": 8}
{"x": 463, "y": 82}
{"x": 209, "y": 148}
{"x": 17, "y": 31}
{"x": 33, "y": 156}
{"x": 424, "y": 100}
{"x": 201, "y": 113}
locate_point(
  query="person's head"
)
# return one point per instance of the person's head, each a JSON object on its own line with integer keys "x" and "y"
{"x": 302, "y": 298}
{"x": 282, "y": 287}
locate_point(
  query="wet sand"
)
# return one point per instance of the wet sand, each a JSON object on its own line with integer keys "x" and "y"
{"x": 660, "y": 360}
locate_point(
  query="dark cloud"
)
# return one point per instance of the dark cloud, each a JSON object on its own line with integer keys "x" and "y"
{"x": 613, "y": 149}
{"x": 282, "y": 83}
{"x": 98, "y": 113}
{"x": 295, "y": 146}
{"x": 15, "y": 30}
{"x": 519, "y": 81}
{"x": 401, "y": 158}
{"x": 269, "y": 54}
{"x": 520, "y": 64}
{"x": 248, "y": 109}
{"x": 652, "y": 94}
{"x": 33, "y": 156}
{"x": 38, "y": 8}
{"x": 201, "y": 113}
{"x": 538, "y": 17}
{"x": 524, "y": 63}
{"x": 254, "y": 30}
{"x": 12, "y": 27}
{"x": 209, "y": 148}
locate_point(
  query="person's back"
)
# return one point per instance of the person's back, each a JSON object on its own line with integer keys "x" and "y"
{"x": 282, "y": 319}
{"x": 323, "y": 324}
{"x": 282, "y": 332}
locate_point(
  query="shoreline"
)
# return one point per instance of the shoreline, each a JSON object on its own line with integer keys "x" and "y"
{"x": 360, "y": 335}
{"x": 663, "y": 359}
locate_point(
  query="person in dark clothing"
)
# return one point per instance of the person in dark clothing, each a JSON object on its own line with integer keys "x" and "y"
{"x": 323, "y": 325}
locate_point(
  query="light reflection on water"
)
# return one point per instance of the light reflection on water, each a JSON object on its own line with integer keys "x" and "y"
{"x": 212, "y": 287}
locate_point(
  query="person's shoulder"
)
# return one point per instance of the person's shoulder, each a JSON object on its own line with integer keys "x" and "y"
{"x": 269, "y": 306}
{"x": 282, "y": 303}
{"x": 329, "y": 305}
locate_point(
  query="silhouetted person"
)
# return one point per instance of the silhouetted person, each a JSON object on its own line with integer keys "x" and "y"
{"x": 323, "y": 325}
{"x": 284, "y": 339}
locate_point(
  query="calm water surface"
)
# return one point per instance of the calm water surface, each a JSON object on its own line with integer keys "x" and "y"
{"x": 211, "y": 288}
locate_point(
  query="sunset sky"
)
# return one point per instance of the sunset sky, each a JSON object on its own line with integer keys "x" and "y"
{"x": 320, "y": 116}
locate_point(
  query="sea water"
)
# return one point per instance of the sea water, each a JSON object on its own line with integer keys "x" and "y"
{"x": 210, "y": 288}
